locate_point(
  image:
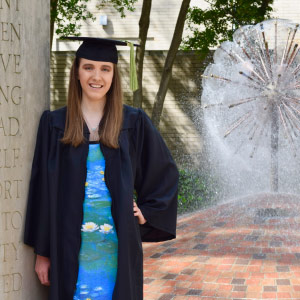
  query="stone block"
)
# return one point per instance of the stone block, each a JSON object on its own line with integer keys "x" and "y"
{"x": 24, "y": 94}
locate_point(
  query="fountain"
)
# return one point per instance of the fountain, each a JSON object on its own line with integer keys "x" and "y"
{"x": 247, "y": 247}
{"x": 251, "y": 109}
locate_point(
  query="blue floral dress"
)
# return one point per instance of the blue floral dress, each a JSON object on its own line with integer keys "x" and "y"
{"x": 99, "y": 249}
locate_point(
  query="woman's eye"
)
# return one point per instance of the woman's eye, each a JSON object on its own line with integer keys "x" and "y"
{"x": 106, "y": 70}
{"x": 88, "y": 68}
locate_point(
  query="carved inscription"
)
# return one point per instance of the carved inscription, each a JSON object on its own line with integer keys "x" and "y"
{"x": 10, "y": 95}
{"x": 11, "y": 282}
{"x": 11, "y": 106}
{"x": 11, "y": 220}
{"x": 10, "y": 63}
{"x": 10, "y": 158}
{"x": 10, "y": 189}
{"x": 9, "y": 126}
{"x": 10, "y": 4}
{"x": 9, "y": 32}
{"x": 9, "y": 251}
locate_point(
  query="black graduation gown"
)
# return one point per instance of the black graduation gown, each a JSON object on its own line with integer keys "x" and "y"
{"x": 56, "y": 194}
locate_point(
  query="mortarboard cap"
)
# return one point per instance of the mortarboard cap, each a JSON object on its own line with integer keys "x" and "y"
{"x": 100, "y": 49}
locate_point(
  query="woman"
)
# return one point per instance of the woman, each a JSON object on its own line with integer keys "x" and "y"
{"x": 80, "y": 232}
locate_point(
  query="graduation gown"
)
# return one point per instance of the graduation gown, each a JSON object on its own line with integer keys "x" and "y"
{"x": 56, "y": 193}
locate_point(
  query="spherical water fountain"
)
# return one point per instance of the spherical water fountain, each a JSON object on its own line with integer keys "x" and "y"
{"x": 251, "y": 110}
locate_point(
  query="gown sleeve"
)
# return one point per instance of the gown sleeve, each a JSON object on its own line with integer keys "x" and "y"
{"x": 156, "y": 183}
{"x": 37, "y": 227}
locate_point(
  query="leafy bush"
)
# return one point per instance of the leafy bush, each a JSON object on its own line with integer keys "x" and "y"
{"x": 195, "y": 190}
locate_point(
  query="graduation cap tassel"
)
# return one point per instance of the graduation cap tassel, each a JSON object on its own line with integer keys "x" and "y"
{"x": 133, "y": 77}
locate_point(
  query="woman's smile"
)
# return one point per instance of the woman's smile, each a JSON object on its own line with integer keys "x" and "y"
{"x": 96, "y": 86}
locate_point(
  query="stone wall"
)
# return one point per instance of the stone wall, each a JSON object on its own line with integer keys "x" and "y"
{"x": 24, "y": 93}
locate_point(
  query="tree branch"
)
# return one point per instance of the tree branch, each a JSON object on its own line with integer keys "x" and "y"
{"x": 53, "y": 14}
{"x": 167, "y": 71}
{"x": 140, "y": 51}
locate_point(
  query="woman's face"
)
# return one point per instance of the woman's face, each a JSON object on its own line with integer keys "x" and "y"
{"x": 95, "y": 78}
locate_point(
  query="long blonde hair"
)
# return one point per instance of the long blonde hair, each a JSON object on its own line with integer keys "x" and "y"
{"x": 111, "y": 122}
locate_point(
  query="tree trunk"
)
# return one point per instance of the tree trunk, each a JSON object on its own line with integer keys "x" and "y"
{"x": 167, "y": 71}
{"x": 53, "y": 13}
{"x": 263, "y": 8}
{"x": 140, "y": 51}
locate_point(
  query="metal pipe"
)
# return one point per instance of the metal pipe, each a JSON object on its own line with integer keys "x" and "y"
{"x": 237, "y": 123}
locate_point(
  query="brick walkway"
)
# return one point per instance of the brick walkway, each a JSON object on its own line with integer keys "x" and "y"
{"x": 246, "y": 249}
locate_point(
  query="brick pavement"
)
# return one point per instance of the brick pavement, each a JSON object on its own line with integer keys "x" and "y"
{"x": 245, "y": 249}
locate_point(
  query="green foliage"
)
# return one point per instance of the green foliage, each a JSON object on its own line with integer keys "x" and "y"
{"x": 194, "y": 191}
{"x": 68, "y": 14}
{"x": 212, "y": 26}
{"x": 119, "y": 5}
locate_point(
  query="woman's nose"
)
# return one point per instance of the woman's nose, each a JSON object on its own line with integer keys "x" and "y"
{"x": 97, "y": 74}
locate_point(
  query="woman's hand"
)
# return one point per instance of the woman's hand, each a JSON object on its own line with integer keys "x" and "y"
{"x": 42, "y": 267}
{"x": 137, "y": 212}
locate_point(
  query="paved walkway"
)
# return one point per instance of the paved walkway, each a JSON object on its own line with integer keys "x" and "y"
{"x": 245, "y": 249}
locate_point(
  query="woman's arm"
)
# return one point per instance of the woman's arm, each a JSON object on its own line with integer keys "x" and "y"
{"x": 37, "y": 222}
{"x": 156, "y": 182}
{"x": 138, "y": 213}
{"x": 36, "y": 233}
{"x": 42, "y": 268}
